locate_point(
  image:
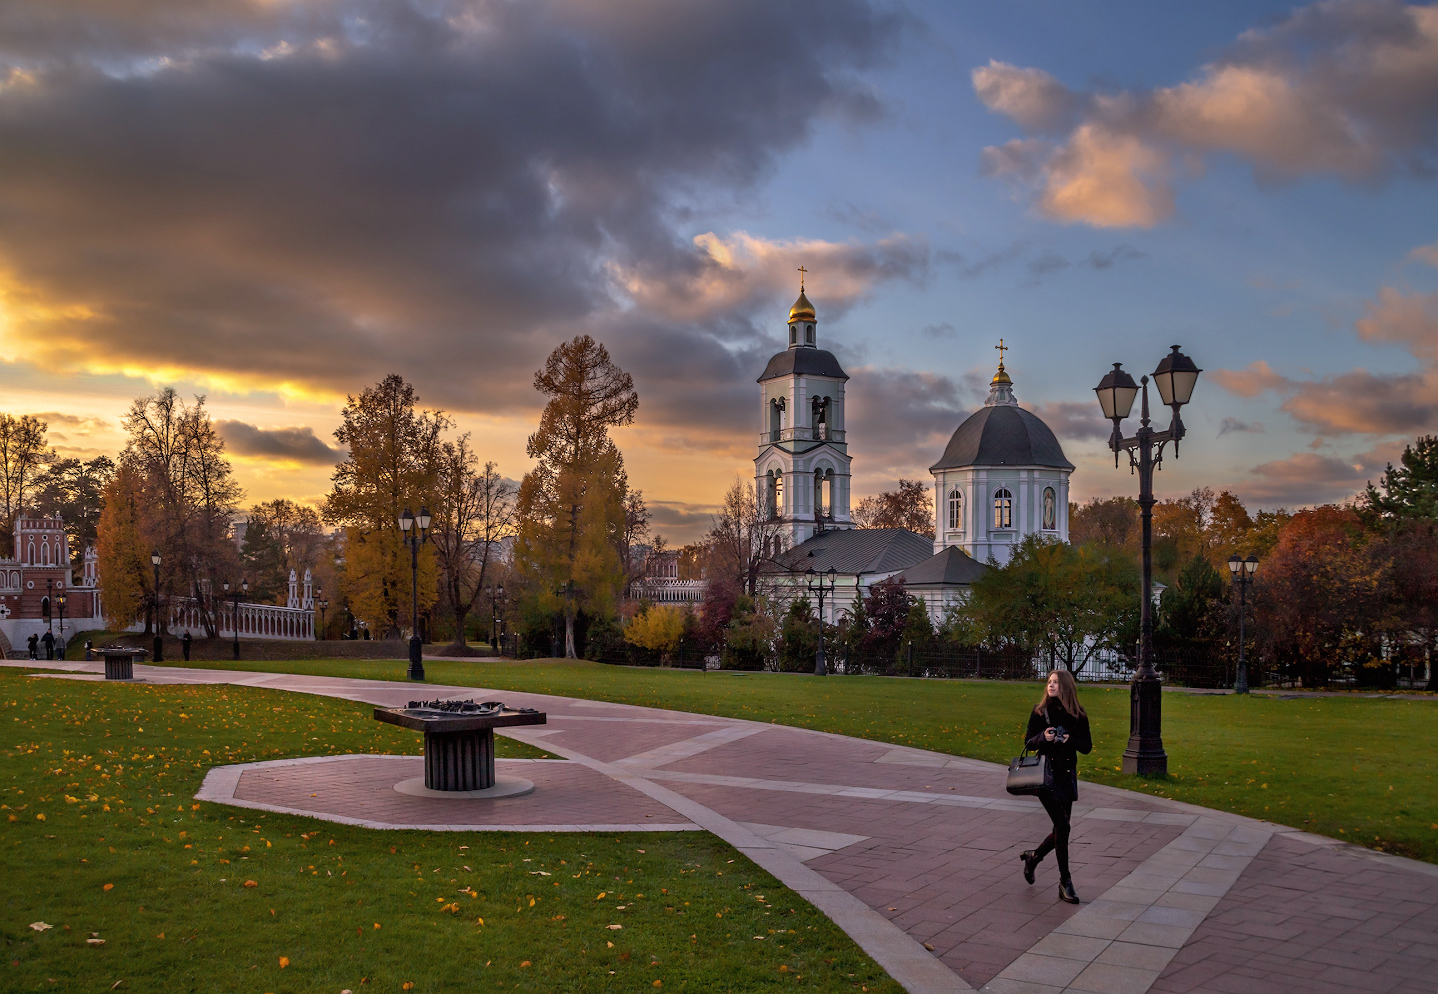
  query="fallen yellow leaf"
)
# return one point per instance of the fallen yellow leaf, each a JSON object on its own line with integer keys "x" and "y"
{"x": 284, "y": 962}
{"x": 108, "y": 887}
{"x": 251, "y": 883}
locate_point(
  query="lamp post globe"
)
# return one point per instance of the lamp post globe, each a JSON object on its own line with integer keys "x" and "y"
{"x": 1175, "y": 378}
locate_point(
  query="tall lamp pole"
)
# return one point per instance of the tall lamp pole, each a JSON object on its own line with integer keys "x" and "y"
{"x": 324, "y": 605}
{"x": 242, "y": 590}
{"x": 414, "y": 531}
{"x": 159, "y": 655}
{"x": 821, "y": 584}
{"x": 1242, "y": 570}
{"x": 1175, "y": 378}
{"x": 496, "y": 594}
{"x": 60, "y": 602}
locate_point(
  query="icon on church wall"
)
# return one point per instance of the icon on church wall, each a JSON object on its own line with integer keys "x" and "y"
{"x": 1050, "y": 509}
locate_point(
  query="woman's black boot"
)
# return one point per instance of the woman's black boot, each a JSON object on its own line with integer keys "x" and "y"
{"x": 1066, "y": 892}
{"x": 1030, "y": 861}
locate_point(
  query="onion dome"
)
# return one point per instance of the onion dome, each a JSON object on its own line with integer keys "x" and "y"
{"x": 802, "y": 309}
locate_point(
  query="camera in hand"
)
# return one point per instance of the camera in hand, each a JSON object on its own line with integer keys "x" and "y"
{"x": 1060, "y": 733}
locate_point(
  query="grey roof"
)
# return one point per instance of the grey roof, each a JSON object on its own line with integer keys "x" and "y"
{"x": 859, "y": 550}
{"x": 805, "y": 361}
{"x": 951, "y": 566}
{"x": 1003, "y": 435}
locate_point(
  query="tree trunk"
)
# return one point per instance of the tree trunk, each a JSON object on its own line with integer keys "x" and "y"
{"x": 569, "y": 652}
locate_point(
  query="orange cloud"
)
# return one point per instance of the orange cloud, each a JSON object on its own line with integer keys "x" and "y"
{"x": 1250, "y": 381}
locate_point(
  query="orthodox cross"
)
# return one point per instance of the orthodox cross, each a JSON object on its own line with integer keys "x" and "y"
{"x": 802, "y": 271}
{"x": 1002, "y": 349}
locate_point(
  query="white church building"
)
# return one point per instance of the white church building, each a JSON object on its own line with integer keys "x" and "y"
{"x": 1002, "y": 477}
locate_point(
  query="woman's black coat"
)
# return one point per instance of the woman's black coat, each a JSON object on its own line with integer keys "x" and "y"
{"x": 1062, "y": 757}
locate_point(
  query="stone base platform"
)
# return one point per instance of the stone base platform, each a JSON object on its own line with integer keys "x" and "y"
{"x": 361, "y": 790}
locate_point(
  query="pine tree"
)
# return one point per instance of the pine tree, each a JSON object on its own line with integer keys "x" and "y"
{"x": 1410, "y": 490}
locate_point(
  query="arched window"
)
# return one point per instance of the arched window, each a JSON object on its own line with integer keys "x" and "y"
{"x": 793, "y": 334}
{"x": 1003, "y": 508}
{"x": 45, "y": 553}
{"x": 778, "y": 494}
{"x": 809, "y": 334}
{"x": 956, "y": 510}
{"x": 1050, "y": 509}
{"x": 823, "y": 493}
{"x": 30, "y": 552}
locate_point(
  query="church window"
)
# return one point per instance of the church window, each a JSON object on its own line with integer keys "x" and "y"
{"x": 809, "y": 333}
{"x": 1050, "y": 509}
{"x": 793, "y": 334}
{"x": 956, "y": 510}
{"x": 30, "y": 552}
{"x": 45, "y": 553}
{"x": 778, "y": 504}
{"x": 1003, "y": 508}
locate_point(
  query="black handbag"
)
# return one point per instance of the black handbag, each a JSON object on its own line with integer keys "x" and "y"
{"x": 1030, "y": 774}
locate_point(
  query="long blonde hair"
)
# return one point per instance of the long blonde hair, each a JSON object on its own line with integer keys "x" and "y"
{"x": 1068, "y": 694}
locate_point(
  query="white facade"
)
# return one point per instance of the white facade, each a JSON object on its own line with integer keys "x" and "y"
{"x": 801, "y": 473}
{"x": 1003, "y": 477}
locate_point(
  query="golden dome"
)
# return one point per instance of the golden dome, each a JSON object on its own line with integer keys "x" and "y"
{"x": 802, "y": 309}
{"x": 1001, "y": 377}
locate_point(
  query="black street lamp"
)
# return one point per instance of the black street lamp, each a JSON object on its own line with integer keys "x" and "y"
{"x": 49, "y": 599}
{"x": 1175, "y": 378}
{"x": 821, "y": 584}
{"x": 1242, "y": 570}
{"x": 324, "y": 605}
{"x": 236, "y": 595}
{"x": 413, "y": 533}
{"x": 60, "y": 602}
{"x": 159, "y": 655}
{"x": 496, "y": 594}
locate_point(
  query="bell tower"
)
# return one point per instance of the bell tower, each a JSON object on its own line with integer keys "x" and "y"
{"x": 801, "y": 474}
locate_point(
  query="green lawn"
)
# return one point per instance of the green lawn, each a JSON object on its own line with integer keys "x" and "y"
{"x": 1357, "y": 769}
{"x": 99, "y": 836}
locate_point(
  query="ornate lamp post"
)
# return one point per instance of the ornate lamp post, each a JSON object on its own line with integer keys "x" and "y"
{"x": 159, "y": 655}
{"x": 236, "y": 595}
{"x": 324, "y": 605}
{"x": 821, "y": 584}
{"x": 1175, "y": 378}
{"x": 1242, "y": 571}
{"x": 413, "y": 532}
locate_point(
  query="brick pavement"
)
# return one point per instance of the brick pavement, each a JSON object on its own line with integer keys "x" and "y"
{"x": 915, "y": 854}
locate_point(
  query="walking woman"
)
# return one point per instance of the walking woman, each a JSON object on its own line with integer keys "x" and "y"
{"x": 1058, "y": 728}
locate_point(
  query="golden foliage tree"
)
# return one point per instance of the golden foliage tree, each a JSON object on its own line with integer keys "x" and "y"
{"x": 124, "y": 566}
{"x": 660, "y": 628}
{"x": 393, "y": 463}
{"x": 574, "y": 508}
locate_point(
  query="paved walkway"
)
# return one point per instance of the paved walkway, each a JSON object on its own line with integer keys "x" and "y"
{"x": 915, "y": 854}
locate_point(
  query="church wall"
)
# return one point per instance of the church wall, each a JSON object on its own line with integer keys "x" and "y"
{"x": 978, "y": 537}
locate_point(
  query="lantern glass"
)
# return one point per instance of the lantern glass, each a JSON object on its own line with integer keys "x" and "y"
{"x": 1251, "y": 565}
{"x": 1175, "y": 378}
{"x": 1116, "y": 392}
{"x": 155, "y": 558}
{"x": 1234, "y": 564}
{"x": 423, "y": 519}
{"x": 405, "y": 520}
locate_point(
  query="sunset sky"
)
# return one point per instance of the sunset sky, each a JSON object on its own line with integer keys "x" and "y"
{"x": 277, "y": 203}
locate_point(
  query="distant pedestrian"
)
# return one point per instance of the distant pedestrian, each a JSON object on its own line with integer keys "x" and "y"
{"x": 185, "y": 645}
{"x": 49, "y": 639}
{"x": 1058, "y": 728}
{"x": 89, "y": 649}
{"x": 34, "y": 643}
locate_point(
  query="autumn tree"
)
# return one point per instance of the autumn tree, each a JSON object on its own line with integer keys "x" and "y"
{"x": 910, "y": 506}
{"x": 124, "y": 566}
{"x": 393, "y": 464}
{"x": 659, "y": 629}
{"x": 281, "y": 537}
{"x": 474, "y": 511}
{"x": 1065, "y": 601}
{"x": 1321, "y": 596}
{"x": 573, "y": 508}
{"x": 24, "y": 453}
{"x": 1111, "y": 523}
{"x": 743, "y": 538}
{"x": 189, "y": 495}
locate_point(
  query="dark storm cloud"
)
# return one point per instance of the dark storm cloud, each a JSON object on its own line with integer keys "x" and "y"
{"x": 312, "y": 195}
{"x": 285, "y": 444}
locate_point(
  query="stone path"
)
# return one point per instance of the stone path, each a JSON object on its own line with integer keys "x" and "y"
{"x": 915, "y": 854}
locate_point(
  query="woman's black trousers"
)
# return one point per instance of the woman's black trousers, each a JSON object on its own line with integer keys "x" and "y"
{"x": 1058, "y": 840}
